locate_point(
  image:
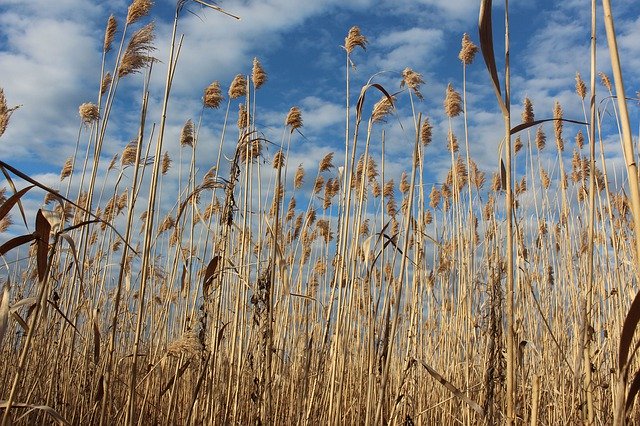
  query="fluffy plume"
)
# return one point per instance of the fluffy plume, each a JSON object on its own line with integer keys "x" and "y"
{"x": 413, "y": 80}
{"x": 604, "y": 79}
{"x": 136, "y": 56}
{"x": 294, "y": 118}
{"x": 5, "y": 112}
{"x": 354, "y": 39}
{"x": 186, "y": 135}
{"x": 110, "y": 33}
{"x": 166, "y": 163}
{"x": 243, "y": 117}
{"x": 541, "y": 138}
{"x": 581, "y": 88}
{"x": 212, "y": 95}
{"x": 557, "y": 125}
{"x": 527, "y": 113}
{"x": 326, "y": 163}
{"x": 258, "y": 75}
{"x": 278, "y": 160}
{"x": 128, "y": 157}
{"x": 238, "y": 87}
{"x": 138, "y": 9}
{"x": 298, "y": 180}
{"x": 426, "y": 132}
{"x": 106, "y": 82}
{"x": 381, "y": 109}
{"x": 89, "y": 112}
{"x": 67, "y": 169}
{"x": 468, "y": 50}
{"x": 452, "y": 102}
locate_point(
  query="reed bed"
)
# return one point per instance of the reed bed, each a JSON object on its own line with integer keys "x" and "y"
{"x": 261, "y": 292}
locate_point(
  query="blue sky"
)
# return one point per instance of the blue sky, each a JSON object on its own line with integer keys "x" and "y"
{"x": 50, "y": 56}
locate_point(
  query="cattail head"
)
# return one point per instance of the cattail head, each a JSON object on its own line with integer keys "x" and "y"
{"x": 186, "y": 135}
{"x": 527, "y": 113}
{"x": 110, "y": 33}
{"x": 258, "y": 75}
{"x": 413, "y": 80}
{"x": 354, "y": 39}
{"x": 426, "y": 132}
{"x": 212, "y": 95}
{"x": 89, "y": 112}
{"x": 381, "y": 109}
{"x": 294, "y": 119}
{"x": 468, "y": 50}
{"x": 452, "y": 102}
{"x": 136, "y": 56}
{"x": 138, "y": 9}
{"x": 581, "y": 88}
{"x": 238, "y": 87}
{"x": 604, "y": 79}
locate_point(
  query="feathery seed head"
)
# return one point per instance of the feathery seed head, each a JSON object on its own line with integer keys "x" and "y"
{"x": 278, "y": 160}
{"x": 606, "y": 82}
{"x": 89, "y": 112}
{"x": 110, "y": 33}
{"x": 136, "y": 56}
{"x": 413, "y": 80}
{"x": 138, "y": 9}
{"x": 238, "y": 87}
{"x": 326, "y": 163}
{"x": 354, "y": 39}
{"x": 527, "y": 113}
{"x": 557, "y": 125}
{"x": 67, "y": 169}
{"x": 258, "y": 75}
{"x": 581, "y": 88}
{"x": 426, "y": 132}
{"x": 166, "y": 163}
{"x": 186, "y": 135}
{"x": 541, "y": 138}
{"x": 468, "y": 50}
{"x": 381, "y": 109}
{"x": 452, "y": 102}
{"x": 294, "y": 118}
{"x": 212, "y": 95}
{"x": 243, "y": 117}
{"x": 106, "y": 81}
{"x": 580, "y": 139}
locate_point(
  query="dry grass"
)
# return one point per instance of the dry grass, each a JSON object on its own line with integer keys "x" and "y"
{"x": 279, "y": 295}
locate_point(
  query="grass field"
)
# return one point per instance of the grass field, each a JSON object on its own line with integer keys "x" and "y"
{"x": 342, "y": 294}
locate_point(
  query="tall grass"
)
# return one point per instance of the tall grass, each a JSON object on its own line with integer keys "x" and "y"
{"x": 263, "y": 292}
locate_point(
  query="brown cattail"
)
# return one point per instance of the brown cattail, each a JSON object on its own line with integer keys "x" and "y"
{"x": 468, "y": 50}
{"x": 580, "y": 139}
{"x": 381, "y": 109}
{"x": 294, "y": 118}
{"x": 278, "y": 160}
{"x": 353, "y": 39}
{"x": 106, "y": 82}
{"x": 212, "y": 95}
{"x": 186, "y": 135}
{"x": 67, "y": 169}
{"x": 238, "y": 87}
{"x": 557, "y": 125}
{"x": 541, "y": 138}
{"x": 604, "y": 79}
{"x": 452, "y": 102}
{"x": 426, "y": 132}
{"x": 326, "y": 163}
{"x": 110, "y": 33}
{"x": 413, "y": 80}
{"x": 136, "y": 56}
{"x": 166, "y": 162}
{"x": 299, "y": 177}
{"x": 137, "y": 10}
{"x": 581, "y": 88}
{"x": 89, "y": 112}
{"x": 527, "y": 113}
{"x": 258, "y": 76}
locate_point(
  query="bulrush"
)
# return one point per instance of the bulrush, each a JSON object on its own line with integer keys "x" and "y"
{"x": 186, "y": 135}
{"x": 136, "y": 56}
{"x": 138, "y": 9}
{"x": 212, "y": 95}
{"x": 258, "y": 75}
{"x": 110, "y": 33}
{"x": 468, "y": 50}
{"x": 238, "y": 87}
{"x": 413, "y": 80}
{"x": 452, "y": 102}
{"x": 354, "y": 39}
{"x": 294, "y": 119}
{"x": 89, "y": 112}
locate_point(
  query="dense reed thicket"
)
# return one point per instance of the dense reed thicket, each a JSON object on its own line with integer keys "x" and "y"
{"x": 491, "y": 297}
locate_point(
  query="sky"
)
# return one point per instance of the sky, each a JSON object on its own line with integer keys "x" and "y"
{"x": 50, "y": 57}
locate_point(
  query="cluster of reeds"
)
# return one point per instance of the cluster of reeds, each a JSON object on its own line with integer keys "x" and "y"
{"x": 264, "y": 292}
